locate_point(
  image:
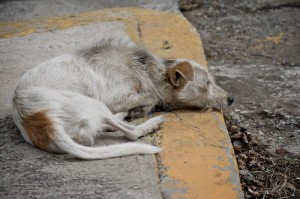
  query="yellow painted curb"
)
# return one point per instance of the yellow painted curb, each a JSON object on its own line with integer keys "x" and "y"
{"x": 198, "y": 159}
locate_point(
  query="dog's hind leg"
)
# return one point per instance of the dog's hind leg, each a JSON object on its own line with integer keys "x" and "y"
{"x": 120, "y": 116}
{"x": 134, "y": 132}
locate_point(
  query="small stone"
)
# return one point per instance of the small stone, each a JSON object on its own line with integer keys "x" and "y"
{"x": 245, "y": 139}
{"x": 241, "y": 163}
{"x": 234, "y": 127}
{"x": 237, "y": 145}
{"x": 246, "y": 174}
{"x": 261, "y": 133}
{"x": 243, "y": 156}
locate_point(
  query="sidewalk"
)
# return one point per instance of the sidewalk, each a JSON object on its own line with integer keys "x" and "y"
{"x": 197, "y": 161}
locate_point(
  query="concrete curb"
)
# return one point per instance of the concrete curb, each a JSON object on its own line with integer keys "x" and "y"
{"x": 198, "y": 160}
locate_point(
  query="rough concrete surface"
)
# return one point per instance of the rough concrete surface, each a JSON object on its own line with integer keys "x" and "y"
{"x": 25, "y": 9}
{"x": 248, "y": 32}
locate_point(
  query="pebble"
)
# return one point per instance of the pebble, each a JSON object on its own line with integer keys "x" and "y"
{"x": 234, "y": 127}
{"x": 237, "y": 145}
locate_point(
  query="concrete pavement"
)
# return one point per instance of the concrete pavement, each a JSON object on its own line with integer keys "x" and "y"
{"x": 27, "y": 9}
{"x": 197, "y": 161}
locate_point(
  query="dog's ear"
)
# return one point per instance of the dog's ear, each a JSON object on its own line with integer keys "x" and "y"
{"x": 180, "y": 74}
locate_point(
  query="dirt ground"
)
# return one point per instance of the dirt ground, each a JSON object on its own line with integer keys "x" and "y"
{"x": 253, "y": 50}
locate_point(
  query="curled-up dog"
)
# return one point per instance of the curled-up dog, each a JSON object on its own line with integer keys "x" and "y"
{"x": 63, "y": 104}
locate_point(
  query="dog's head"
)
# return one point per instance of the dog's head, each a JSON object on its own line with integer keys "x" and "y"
{"x": 194, "y": 87}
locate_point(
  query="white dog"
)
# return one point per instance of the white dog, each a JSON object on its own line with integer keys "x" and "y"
{"x": 64, "y": 103}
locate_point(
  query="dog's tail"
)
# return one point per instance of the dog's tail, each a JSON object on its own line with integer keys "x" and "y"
{"x": 67, "y": 145}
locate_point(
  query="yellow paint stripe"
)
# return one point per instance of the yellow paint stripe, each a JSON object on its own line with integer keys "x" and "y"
{"x": 196, "y": 154}
{"x": 159, "y": 28}
{"x": 43, "y": 24}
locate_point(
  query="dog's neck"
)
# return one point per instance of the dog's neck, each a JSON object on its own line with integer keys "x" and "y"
{"x": 151, "y": 71}
{"x": 162, "y": 88}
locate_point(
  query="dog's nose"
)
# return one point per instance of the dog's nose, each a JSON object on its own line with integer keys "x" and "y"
{"x": 230, "y": 100}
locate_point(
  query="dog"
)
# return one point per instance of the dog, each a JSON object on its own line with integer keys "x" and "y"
{"x": 63, "y": 104}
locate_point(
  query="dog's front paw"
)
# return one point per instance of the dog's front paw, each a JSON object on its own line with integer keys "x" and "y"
{"x": 154, "y": 124}
{"x": 159, "y": 120}
{"x": 149, "y": 126}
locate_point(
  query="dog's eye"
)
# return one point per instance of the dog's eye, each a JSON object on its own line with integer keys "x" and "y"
{"x": 208, "y": 82}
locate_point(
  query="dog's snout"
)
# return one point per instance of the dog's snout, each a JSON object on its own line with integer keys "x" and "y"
{"x": 230, "y": 100}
